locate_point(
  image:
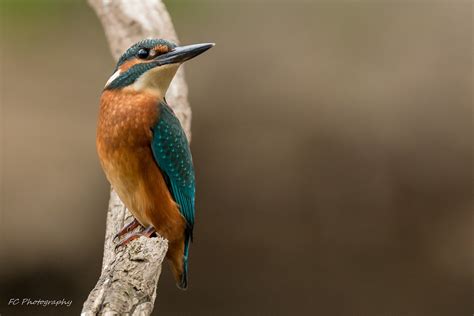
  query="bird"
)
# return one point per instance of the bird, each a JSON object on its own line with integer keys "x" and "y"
{"x": 143, "y": 148}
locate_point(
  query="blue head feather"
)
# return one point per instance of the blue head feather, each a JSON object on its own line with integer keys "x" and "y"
{"x": 133, "y": 73}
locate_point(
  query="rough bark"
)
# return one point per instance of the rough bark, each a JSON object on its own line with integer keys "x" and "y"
{"x": 129, "y": 278}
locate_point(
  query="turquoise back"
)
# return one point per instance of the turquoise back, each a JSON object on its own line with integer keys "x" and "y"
{"x": 172, "y": 153}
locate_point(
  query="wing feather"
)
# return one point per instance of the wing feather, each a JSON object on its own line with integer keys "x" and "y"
{"x": 172, "y": 153}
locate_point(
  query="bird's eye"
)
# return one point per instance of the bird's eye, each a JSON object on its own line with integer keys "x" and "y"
{"x": 143, "y": 53}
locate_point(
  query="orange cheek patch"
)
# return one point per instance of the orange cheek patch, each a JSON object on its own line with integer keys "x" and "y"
{"x": 128, "y": 64}
{"x": 161, "y": 49}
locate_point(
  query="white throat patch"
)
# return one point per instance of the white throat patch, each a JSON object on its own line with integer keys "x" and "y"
{"x": 112, "y": 78}
{"x": 156, "y": 80}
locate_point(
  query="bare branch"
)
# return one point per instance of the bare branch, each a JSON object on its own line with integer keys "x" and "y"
{"x": 128, "y": 280}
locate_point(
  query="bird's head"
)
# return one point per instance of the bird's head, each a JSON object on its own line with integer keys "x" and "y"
{"x": 151, "y": 64}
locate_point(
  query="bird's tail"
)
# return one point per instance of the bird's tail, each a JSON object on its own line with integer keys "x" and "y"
{"x": 183, "y": 280}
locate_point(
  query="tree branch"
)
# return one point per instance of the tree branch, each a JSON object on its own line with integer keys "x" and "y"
{"x": 128, "y": 280}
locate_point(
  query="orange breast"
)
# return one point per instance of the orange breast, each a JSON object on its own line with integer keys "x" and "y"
{"x": 124, "y": 147}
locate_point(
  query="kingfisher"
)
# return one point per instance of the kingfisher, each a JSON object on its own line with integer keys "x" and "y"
{"x": 143, "y": 148}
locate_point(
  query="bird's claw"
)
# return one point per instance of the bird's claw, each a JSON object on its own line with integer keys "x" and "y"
{"x": 150, "y": 230}
{"x": 126, "y": 229}
{"x": 117, "y": 248}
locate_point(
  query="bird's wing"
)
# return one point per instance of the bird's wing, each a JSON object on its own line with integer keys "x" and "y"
{"x": 172, "y": 153}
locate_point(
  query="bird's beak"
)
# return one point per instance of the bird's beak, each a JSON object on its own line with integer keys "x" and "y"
{"x": 182, "y": 53}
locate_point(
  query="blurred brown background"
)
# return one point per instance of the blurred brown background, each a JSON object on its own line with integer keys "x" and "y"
{"x": 333, "y": 149}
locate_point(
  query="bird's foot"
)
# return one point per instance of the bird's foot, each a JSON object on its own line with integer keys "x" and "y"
{"x": 126, "y": 229}
{"x": 147, "y": 232}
